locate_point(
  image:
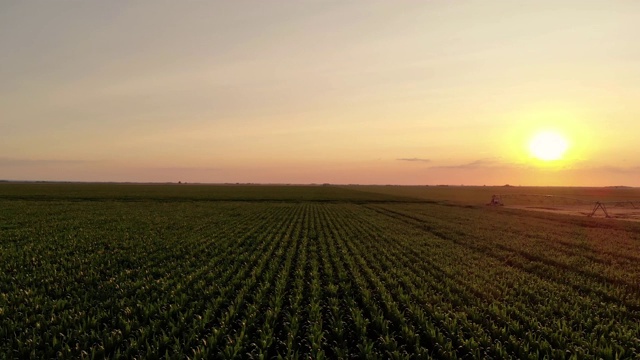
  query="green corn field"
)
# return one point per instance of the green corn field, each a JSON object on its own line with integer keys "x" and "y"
{"x": 115, "y": 271}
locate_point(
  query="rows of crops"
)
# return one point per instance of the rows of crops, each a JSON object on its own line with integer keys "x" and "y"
{"x": 229, "y": 279}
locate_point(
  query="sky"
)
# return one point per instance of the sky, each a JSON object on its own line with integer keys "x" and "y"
{"x": 368, "y": 92}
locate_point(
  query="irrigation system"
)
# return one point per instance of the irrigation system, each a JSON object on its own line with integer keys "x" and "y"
{"x": 498, "y": 200}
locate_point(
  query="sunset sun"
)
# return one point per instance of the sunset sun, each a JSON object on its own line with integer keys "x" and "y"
{"x": 548, "y": 146}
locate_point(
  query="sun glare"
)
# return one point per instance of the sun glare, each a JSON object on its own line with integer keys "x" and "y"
{"x": 548, "y": 146}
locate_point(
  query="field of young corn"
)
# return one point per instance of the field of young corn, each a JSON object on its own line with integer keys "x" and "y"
{"x": 176, "y": 272}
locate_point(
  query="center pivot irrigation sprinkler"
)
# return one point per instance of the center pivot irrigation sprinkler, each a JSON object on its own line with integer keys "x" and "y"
{"x": 599, "y": 205}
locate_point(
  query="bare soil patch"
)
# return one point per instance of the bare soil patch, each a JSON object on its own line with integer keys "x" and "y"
{"x": 615, "y": 212}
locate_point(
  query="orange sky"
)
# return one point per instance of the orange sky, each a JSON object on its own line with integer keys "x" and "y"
{"x": 376, "y": 92}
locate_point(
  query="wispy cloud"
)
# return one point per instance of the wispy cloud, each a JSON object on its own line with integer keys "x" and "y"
{"x": 6, "y": 162}
{"x": 480, "y": 163}
{"x": 185, "y": 169}
{"x": 616, "y": 169}
{"x": 414, "y": 159}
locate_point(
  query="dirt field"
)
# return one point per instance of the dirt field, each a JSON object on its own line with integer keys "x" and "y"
{"x": 520, "y": 195}
{"x": 620, "y": 202}
{"x": 615, "y": 212}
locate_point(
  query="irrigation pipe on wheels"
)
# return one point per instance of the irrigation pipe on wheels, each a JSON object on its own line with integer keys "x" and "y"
{"x": 498, "y": 200}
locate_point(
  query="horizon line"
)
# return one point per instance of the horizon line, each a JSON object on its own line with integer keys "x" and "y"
{"x": 5, "y": 181}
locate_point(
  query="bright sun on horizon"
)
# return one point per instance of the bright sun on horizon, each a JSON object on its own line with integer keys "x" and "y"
{"x": 548, "y": 146}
